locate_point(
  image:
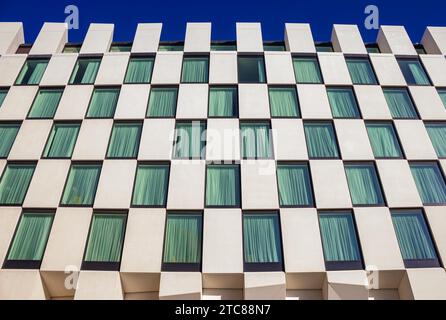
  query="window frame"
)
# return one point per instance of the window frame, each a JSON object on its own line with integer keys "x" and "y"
{"x": 4, "y": 90}
{"x": 440, "y": 123}
{"x": 434, "y": 163}
{"x": 274, "y": 44}
{"x": 59, "y": 122}
{"x": 102, "y": 87}
{"x": 314, "y": 57}
{"x": 197, "y": 56}
{"x": 166, "y": 86}
{"x": 222, "y": 44}
{"x": 298, "y": 108}
{"x": 80, "y": 58}
{"x": 11, "y": 123}
{"x": 45, "y": 88}
{"x": 239, "y": 184}
{"x": 355, "y": 100}
{"x": 202, "y": 155}
{"x": 409, "y": 94}
{"x": 331, "y": 122}
{"x": 251, "y": 56}
{"x": 365, "y": 58}
{"x": 118, "y": 122}
{"x": 119, "y": 44}
{"x": 420, "y": 62}
{"x": 271, "y": 138}
{"x": 32, "y": 58}
{"x": 224, "y": 86}
{"x": 392, "y": 124}
{"x": 18, "y": 163}
{"x": 139, "y": 56}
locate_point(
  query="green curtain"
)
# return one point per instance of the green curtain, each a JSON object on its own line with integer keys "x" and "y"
{"x": 261, "y": 238}
{"x": 437, "y": 133}
{"x": 339, "y": 237}
{"x": 32, "y": 72}
{"x": 284, "y": 102}
{"x": 306, "y": 70}
{"x": 251, "y": 69}
{"x": 85, "y": 71}
{"x": 413, "y": 72}
{"x": 183, "y": 238}
{"x": 151, "y": 185}
{"x": 361, "y": 71}
{"x": 8, "y": 132}
{"x": 45, "y": 104}
{"x": 162, "y": 102}
{"x": 430, "y": 183}
{"x": 106, "y": 238}
{"x": 413, "y": 236}
{"x": 31, "y": 237}
{"x": 223, "y": 185}
{"x": 321, "y": 140}
{"x": 195, "y": 70}
{"x": 442, "y": 94}
{"x": 343, "y": 103}
{"x": 3, "y": 94}
{"x": 124, "y": 141}
{"x": 190, "y": 140}
{"x": 383, "y": 140}
{"x": 294, "y": 185}
{"x": 400, "y": 104}
{"x": 61, "y": 141}
{"x": 15, "y": 182}
{"x": 81, "y": 185}
{"x": 256, "y": 141}
{"x": 103, "y": 103}
{"x": 223, "y": 102}
{"x": 139, "y": 70}
{"x": 363, "y": 184}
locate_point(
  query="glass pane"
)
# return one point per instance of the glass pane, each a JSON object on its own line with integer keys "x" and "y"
{"x": 15, "y": 182}
{"x": 321, "y": 140}
{"x": 121, "y": 48}
{"x": 223, "y": 102}
{"x": 162, "y": 102}
{"x": 284, "y": 102}
{"x": 400, "y": 104}
{"x": 363, "y": 184}
{"x": 172, "y": 47}
{"x": 294, "y": 185}
{"x": 71, "y": 49}
{"x": 190, "y": 140}
{"x": 81, "y": 185}
{"x": 256, "y": 141}
{"x": 430, "y": 183}
{"x": 8, "y": 132}
{"x": 306, "y": 70}
{"x": 442, "y": 94}
{"x": 343, "y": 103}
{"x": 85, "y": 71}
{"x": 45, "y": 104}
{"x": 151, "y": 185}
{"x": 413, "y": 72}
{"x": 32, "y": 72}
{"x": 223, "y": 47}
{"x": 222, "y": 185}
{"x": 437, "y": 133}
{"x": 195, "y": 70}
{"x": 124, "y": 141}
{"x": 373, "y": 50}
{"x": 324, "y": 48}
{"x": 139, "y": 70}
{"x": 3, "y": 94}
{"x": 274, "y": 47}
{"x": 383, "y": 140}
{"x": 61, "y": 141}
{"x": 103, "y": 103}
{"x": 251, "y": 69}
{"x": 361, "y": 71}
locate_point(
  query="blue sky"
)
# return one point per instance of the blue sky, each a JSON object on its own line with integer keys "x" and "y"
{"x": 125, "y": 14}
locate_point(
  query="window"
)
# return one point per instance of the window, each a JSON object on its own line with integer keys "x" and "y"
{"x": 72, "y": 49}
{"x": 223, "y": 102}
{"x": 62, "y": 139}
{"x": 256, "y": 140}
{"x": 361, "y": 71}
{"x": 195, "y": 70}
{"x": 284, "y": 102}
{"x": 224, "y": 46}
{"x": 151, "y": 184}
{"x": 365, "y": 189}
{"x": 85, "y": 71}
{"x": 179, "y": 46}
{"x": 437, "y": 133}
{"x": 306, "y": 70}
{"x": 223, "y": 186}
{"x": 81, "y": 185}
{"x": 372, "y": 48}
{"x": 8, "y": 133}
{"x": 262, "y": 245}
{"x": 274, "y": 46}
{"x": 343, "y": 103}
{"x": 339, "y": 241}
{"x": 413, "y": 72}
{"x": 3, "y": 93}
{"x": 105, "y": 242}
{"x": 139, "y": 70}
{"x": 321, "y": 140}
{"x": 45, "y": 104}
{"x": 420, "y": 48}
{"x": 383, "y": 139}
{"x": 442, "y": 93}
{"x": 24, "y": 49}
{"x": 400, "y": 104}
{"x": 324, "y": 47}
{"x": 103, "y": 103}
{"x": 414, "y": 239}
{"x": 430, "y": 183}
{"x": 190, "y": 140}
{"x": 126, "y": 47}
{"x": 14, "y": 183}
{"x": 162, "y": 102}
{"x": 30, "y": 239}
{"x": 32, "y": 72}
{"x": 124, "y": 140}
{"x": 182, "y": 242}
{"x": 251, "y": 69}
{"x": 294, "y": 184}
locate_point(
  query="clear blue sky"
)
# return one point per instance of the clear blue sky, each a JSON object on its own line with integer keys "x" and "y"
{"x": 223, "y": 14}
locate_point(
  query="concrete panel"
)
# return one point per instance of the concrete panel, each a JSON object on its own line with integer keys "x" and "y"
{"x": 142, "y": 296}
{"x": 279, "y": 68}
{"x": 353, "y": 139}
{"x": 346, "y": 285}
{"x": 11, "y": 37}
{"x": 384, "y": 294}
{"x": 59, "y": 69}
{"x": 394, "y": 39}
{"x": 436, "y": 68}
{"x": 147, "y": 38}
{"x": 313, "y": 101}
{"x": 132, "y": 102}
{"x": 74, "y": 102}
{"x": 51, "y": 39}
{"x": 112, "y": 69}
{"x": 428, "y": 102}
{"x": 99, "y": 285}
{"x": 334, "y": 68}
{"x": 223, "y": 139}
{"x": 10, "y": 67}
{"x": 253, "y": 101}
{"x": 180, "y": 286}
{"x": 223, "y": 68}
{"x": 298, "y": 38}
{"x": 387, "y": 69}
{"x": 9, "y": 217}
{"x": 304, "y": 294}
{"x": 372, "y": 102}
{"x": 88, "y": 149}
{"x": 98, "y": 39}
{"x": 415, "y": 140}
{"x": 30, "y": 140}
{"x": 21, "y": 285}
{"x": 249, "y": 37}
{"x": 198, "y": 37}
{"x": 424, "y": 284}
{"x": 17, "y": 102}
{"x": 346, "y": 38}
{"x": 289, "y": 142}
{"x": 265, "y": 286}
{"x": 434, "y": 40}
{"x": 192, "y": 101}
{"x": 159, "y": 146}
{"x": 167, "y": 68}
{"x": 222, "y": 294}
{"x": 437, "y": 219}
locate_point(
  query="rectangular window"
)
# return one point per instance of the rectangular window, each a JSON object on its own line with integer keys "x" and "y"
{"x": 190, "y": 140}
{"x": 171, "y": 47}
{"x": 251, "y": 69}
{"x": 124, "y": 140}
{"x": 363, "y": 182}
{"x": 430, "y": 183}
{"x": 361, "y": 71}
{"x": 121, "y": 47}
{"x": 284, "y": 102}
{"x": 151, "y": 184}
{"x": 30, "y": 239}
{"x": 274, "y": 46}
{"x": 223, "y": 102}
{"x": 103, "y": 103}
{"x": 343, "y": 103}
{"x": 3, "y": 93}
{"x": 162, "y": 102}
{"x": 182, "y": 242}
{"x": 14, "y": 183}
{"x": 324, "y": 47}
{"x": 32, "y": 72}
{"x": 85, "y": 71}
{"x": 383, "y": 139}
{"x": 321, "y": 140}
{"x": 256, "y": 140}
{"x": 339, "y": 241}
{"x": 72, "y": 49}
{"x": 307, "y": 70}
{"x": 139, "y": 70}
{"x": 414, "y": 239}
{"x": 105, "y": 242}
{"x": 437, "y": 133}
{"x": 195, "y": 70}
{"x": 400, "y": 104}
{"x": 294, "y": 184}
{"x": 372, "y": 48}
{"x": 413, "y": 72}
{"x": 222, "y": 186}
{"x": 81, "y": 185}
{"x": 262, "y": 245}
{"x": 45, "y": 104}
{"x": 8, "y": 133}
{"x": 224, "y": 46}
{"x": 62, "y": 139}
{"x": 442, "y": 93}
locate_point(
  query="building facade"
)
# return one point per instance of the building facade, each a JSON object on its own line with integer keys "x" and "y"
{"x": 237, "y": 169}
